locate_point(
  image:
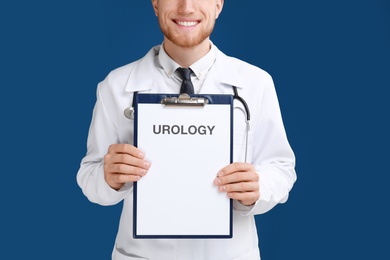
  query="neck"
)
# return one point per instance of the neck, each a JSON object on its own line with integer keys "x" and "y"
{"x": 185, "y": 57}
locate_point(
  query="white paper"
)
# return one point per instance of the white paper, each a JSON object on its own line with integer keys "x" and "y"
{"x": 178, "y": 196}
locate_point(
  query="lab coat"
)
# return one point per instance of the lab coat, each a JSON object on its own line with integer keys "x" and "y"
{"x": 268, "y": 150}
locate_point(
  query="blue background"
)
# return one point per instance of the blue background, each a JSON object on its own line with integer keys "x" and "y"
{"x": 330, "y": 61}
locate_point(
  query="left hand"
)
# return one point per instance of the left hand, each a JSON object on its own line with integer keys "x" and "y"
{"x": 240, "y": 181}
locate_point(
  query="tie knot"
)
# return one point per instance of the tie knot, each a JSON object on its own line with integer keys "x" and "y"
{"x": 185, "y": 73}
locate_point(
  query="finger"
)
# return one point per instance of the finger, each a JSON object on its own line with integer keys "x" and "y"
{"x": 122, "y": 178}
{"x": 126, "y": 149}
{"x": 240, "y": 187}
{"x": 237, "y": 177}
{"x": 128, "y": 160}
{"x": 235, "y": 167}
{"x": 125, "y": 169}
{"x": 246, "y": 198}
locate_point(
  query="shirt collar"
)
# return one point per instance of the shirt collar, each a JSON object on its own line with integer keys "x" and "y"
{"x": 168, "y": 64}
{"x": 200, "y": 67}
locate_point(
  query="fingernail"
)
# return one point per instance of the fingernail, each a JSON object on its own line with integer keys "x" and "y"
{"x": 217, "y": 181}
{"x": 146, "y": 165}
{"x": 220, "y": 173}
{"x": 222, "y": 188}
{"x": 141, "y": 155}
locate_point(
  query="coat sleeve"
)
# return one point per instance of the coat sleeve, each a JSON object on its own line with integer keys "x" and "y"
{"x": 272, "y": 155}
{"x": 102, "y": 133}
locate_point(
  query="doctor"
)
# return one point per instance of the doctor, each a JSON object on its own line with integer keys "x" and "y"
{"x": 112, "y": 164}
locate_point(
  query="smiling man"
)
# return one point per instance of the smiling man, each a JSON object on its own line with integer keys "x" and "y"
{"x": 262, "y": 173}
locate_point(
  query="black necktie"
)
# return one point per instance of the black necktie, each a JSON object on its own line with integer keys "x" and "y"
{"x": 186, "y": 85}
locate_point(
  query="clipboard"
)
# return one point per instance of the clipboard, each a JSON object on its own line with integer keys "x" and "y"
{"x": 187, "y": 139}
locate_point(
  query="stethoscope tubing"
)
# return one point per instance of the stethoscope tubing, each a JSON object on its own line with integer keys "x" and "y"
{"x": 243, "y": 102}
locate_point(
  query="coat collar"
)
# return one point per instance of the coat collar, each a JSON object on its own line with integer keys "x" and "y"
{"x": 227, "y": 71}
{"x": 138, "y": 80}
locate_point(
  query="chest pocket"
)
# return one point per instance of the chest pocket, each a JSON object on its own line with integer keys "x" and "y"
{"x": 241, "y": 149}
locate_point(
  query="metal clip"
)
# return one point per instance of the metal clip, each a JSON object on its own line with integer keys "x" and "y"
{"x": 185, "y": 100}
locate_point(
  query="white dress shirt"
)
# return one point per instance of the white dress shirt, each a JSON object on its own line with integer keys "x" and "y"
{"x": 268, "y": 150}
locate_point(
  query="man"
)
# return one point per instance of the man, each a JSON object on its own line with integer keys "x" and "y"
{"x": 112, "y": 164}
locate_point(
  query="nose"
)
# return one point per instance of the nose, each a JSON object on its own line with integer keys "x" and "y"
{"x": 186, "y": 6}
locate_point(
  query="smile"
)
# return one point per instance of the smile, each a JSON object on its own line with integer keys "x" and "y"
{"x": 187, "y": 23}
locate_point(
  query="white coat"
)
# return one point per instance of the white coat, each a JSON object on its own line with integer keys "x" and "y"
{"x": 268, "y": 150}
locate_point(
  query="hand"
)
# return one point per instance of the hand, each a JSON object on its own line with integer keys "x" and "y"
{"x": 124, "y": 163}
{"x": 240, "y": 181}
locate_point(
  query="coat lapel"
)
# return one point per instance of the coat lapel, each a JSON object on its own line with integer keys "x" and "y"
{"x": 223, "y": 75}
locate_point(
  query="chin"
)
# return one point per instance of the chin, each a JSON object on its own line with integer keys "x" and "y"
{"x": 186, "y": 42}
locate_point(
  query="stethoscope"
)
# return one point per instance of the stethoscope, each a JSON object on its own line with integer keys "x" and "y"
{"x": 129, "y": 113}
{"x": 248, "y": 118}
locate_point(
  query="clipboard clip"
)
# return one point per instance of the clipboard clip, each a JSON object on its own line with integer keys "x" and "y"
{"x": 185, "y": 100}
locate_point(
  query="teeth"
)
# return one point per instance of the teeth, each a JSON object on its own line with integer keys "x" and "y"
{"x": 187, "y": 24}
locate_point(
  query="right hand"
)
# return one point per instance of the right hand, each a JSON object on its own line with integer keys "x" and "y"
{"x": 124, "y": 163}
